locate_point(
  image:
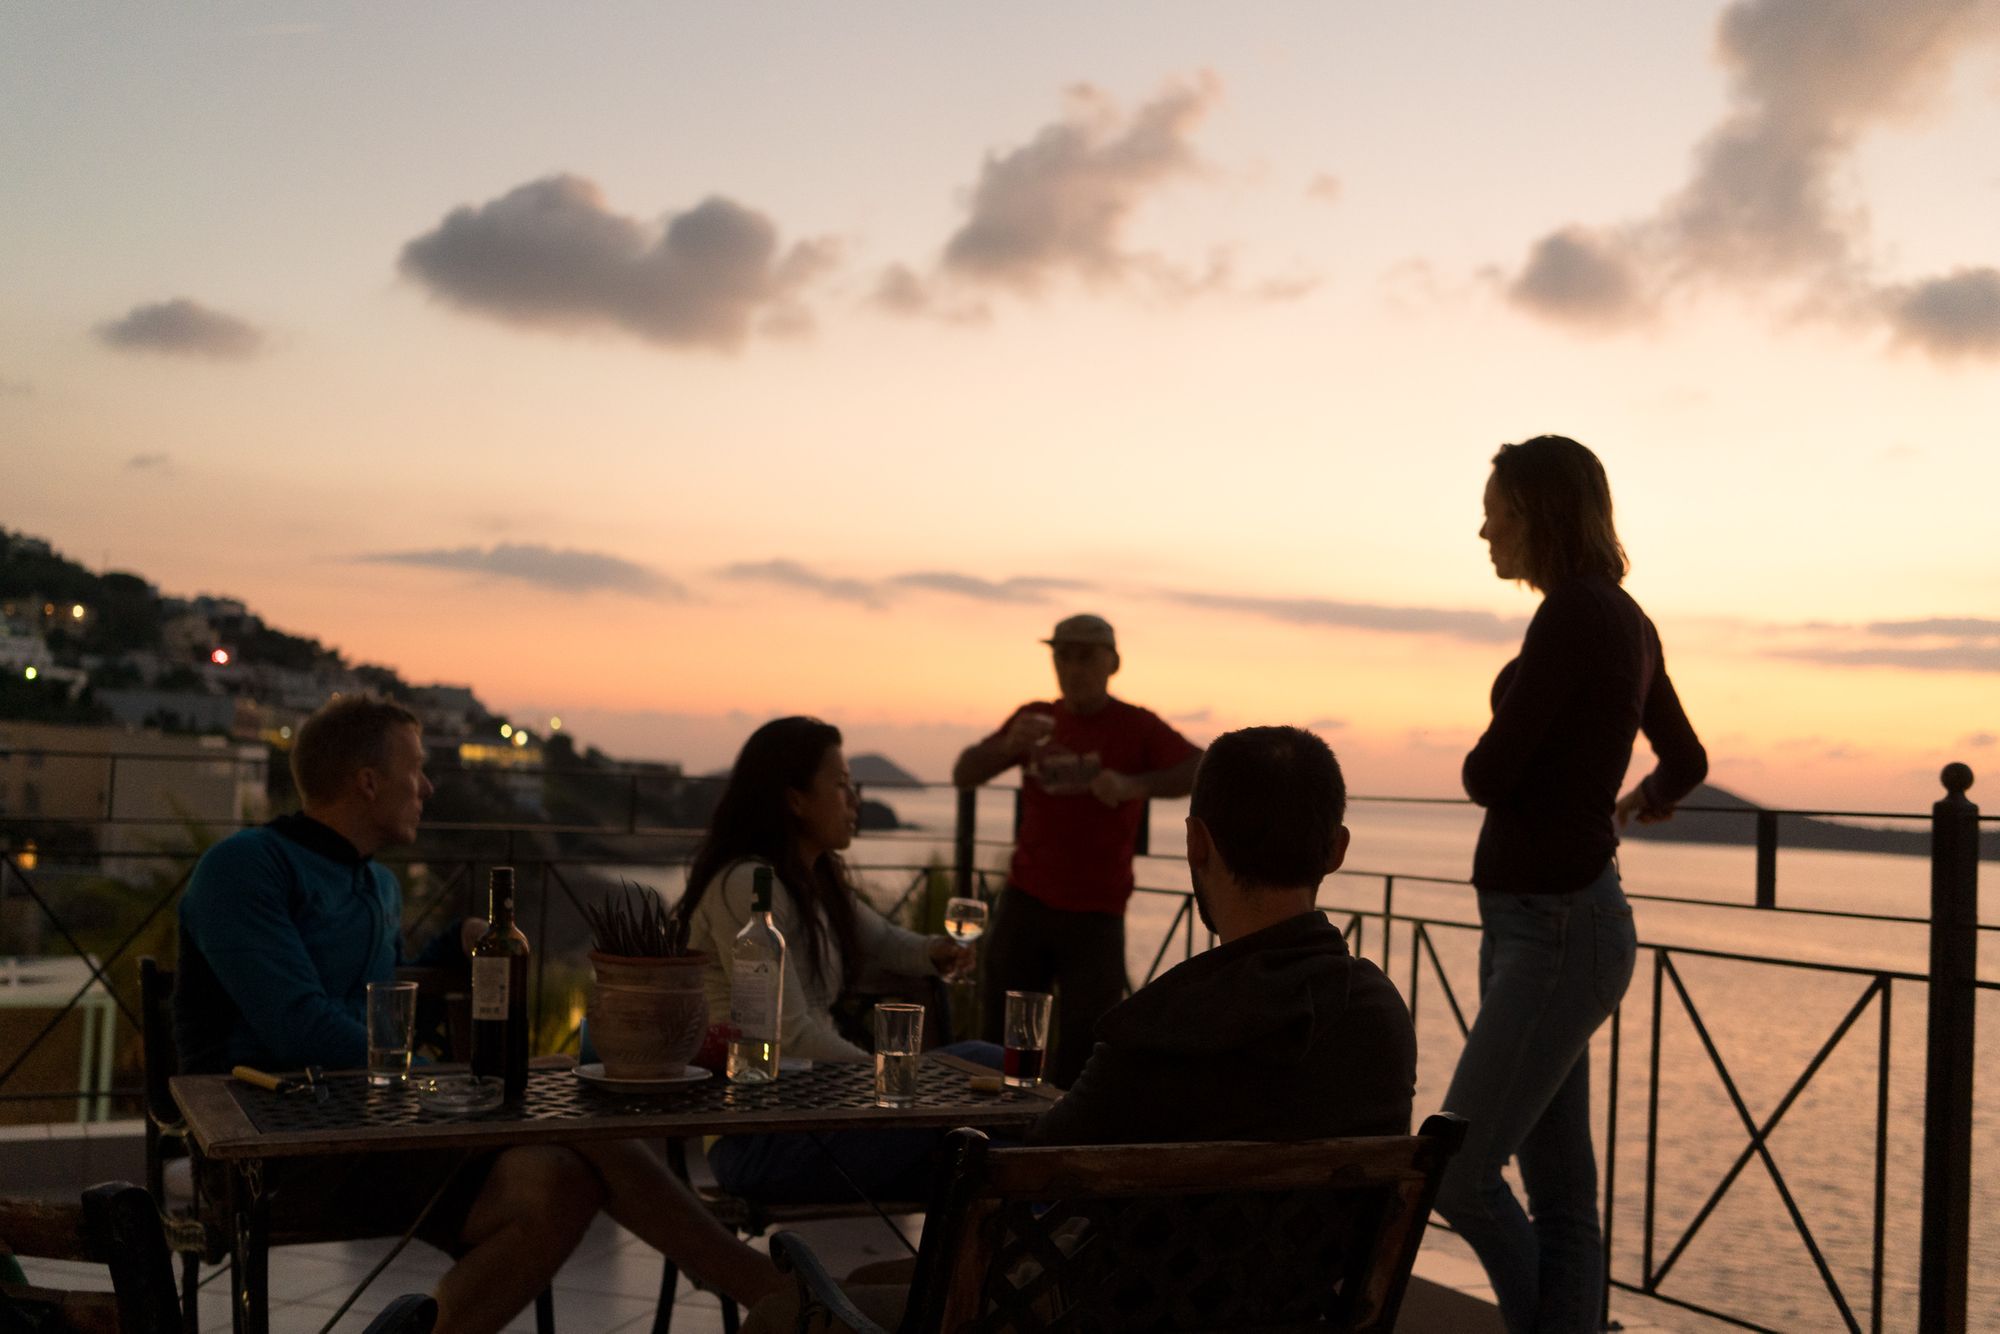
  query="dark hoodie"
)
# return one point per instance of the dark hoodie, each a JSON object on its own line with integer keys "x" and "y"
{"x": 1279, "y": 1035}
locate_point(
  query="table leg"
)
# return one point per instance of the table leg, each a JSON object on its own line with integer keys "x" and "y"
{"x": 249, "y": 1250}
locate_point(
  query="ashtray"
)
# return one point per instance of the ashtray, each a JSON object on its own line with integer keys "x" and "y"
{"x": 459, "y": 1095}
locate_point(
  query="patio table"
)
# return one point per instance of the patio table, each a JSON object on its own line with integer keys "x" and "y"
{"x": 244, "y": 1127}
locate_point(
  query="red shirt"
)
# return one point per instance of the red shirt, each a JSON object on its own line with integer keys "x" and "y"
{"x": 1073, "y": 851}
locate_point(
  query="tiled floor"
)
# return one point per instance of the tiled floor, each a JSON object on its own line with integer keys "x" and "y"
{"x": 612, "y": 1282}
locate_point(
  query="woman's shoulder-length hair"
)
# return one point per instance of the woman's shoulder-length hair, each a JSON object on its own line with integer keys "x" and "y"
{"x": 1559, "y": 490}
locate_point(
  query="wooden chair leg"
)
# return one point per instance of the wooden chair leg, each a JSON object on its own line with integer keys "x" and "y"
{"x": 670, "y": 1283}
{"x": 191, "y": 1293}
{"x": 545, "y": 1312}
{"x": 728, "y": 1314}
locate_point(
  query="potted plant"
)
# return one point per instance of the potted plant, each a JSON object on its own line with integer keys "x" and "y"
{"x": 648, "y": 1012}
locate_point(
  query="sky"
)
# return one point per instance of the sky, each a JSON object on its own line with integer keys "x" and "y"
{"x": 674, "y": 367}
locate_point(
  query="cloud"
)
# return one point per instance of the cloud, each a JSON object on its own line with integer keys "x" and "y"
{"x": 1479, "y": 627}
{"x": 901, "y": 291}
{"x": 183, "y": 327}
{"x": 985, "y": 590}
{"x": 1326, "y": 725}
{"x": 1970, "y": 627}
{"x": 791, "y": 574}
{"x": 564, "y": 569}
{"x": 1764, "y": 203}
{"x": 1061, "y": 203}
{"x": 153, "y": 463}
{"x": 549, "y": 254}
{"x": 1954, "y": 316}
{"x": 879, "y": 593}
{"x": 1979, "y": 740}
{"x": 1943, "y": 644}
{"x": 1060, "y": 207}
{"x": 1325, "y": 187}
{"x": 1578, "y": 275}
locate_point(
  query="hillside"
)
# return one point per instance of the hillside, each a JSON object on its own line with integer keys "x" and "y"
{"x": 1730, "y": 820}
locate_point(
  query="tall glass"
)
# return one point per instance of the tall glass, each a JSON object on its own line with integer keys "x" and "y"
{"x": 899, "y": 1045}
{"x": 965, "y": 919}
{"x": 392, "y": 1025}
{"x": 1027, "y": 1038}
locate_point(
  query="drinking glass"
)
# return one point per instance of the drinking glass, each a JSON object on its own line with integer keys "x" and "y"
{"x": 899, "y": 1044}
{"x": 965, "y": 919}
{"x": 1027, "y": 1034}
{"x": 392, "y": 1024}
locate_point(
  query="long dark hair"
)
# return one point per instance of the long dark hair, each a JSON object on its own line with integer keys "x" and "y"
{"x": 753, "y": 819}
{"x": 1559, "y": 489}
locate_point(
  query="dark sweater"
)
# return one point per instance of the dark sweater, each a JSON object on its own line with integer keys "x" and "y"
{"x": 1588, "y": 679}
{"x": 1279, "y": 1035}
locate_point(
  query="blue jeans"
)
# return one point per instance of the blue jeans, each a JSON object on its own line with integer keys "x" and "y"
{"x": 828, "y": 1168}
{"x": 1552, "y": 968}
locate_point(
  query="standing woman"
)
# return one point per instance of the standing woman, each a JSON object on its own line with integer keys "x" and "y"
{"x": 1557, "y": 944}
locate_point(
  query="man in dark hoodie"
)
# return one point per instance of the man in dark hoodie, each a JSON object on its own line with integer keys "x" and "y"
{"x": 1278, "y": 1032}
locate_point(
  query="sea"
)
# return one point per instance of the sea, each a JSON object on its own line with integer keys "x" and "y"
{"x": 1748, "y": 1249}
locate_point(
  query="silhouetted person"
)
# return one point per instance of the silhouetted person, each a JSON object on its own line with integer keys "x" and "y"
{"x": 1089, "y": 763}
{"x": 1557, "y": 942}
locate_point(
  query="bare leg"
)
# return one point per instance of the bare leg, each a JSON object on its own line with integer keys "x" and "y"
{"x": 537, "y": 1203}
{"x": 657, "y": 1206}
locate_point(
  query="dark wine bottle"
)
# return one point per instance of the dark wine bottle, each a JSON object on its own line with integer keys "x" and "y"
{"x": 500, "y": 992}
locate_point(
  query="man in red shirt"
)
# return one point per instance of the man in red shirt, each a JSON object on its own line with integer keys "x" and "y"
{"x": 1088, "y": 765}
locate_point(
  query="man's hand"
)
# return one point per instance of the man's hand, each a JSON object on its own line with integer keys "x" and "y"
{"x": 1634, "y": 803}
{"x": 951, "y": 959}
{"x": 1115, "y": 789}
{"x": 1027, "y": 731}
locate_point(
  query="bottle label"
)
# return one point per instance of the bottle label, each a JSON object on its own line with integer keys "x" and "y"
{"x": 491, "y": 977}
{"x": 753, "y": 998}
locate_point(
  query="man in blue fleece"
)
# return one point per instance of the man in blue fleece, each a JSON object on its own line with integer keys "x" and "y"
{"x": 282, "y": 929}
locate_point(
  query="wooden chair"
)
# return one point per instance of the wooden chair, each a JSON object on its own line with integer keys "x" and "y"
{"x": 198, "y": 1230}
{"x": 118, "y": 1226}
{"x": 1318, "y": 1235}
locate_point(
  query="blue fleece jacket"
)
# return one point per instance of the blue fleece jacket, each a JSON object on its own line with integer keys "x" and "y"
{"x": 282, "y": 929}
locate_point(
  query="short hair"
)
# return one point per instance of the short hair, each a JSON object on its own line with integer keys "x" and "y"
{"x": 1559, "y": 490}
{"x": 344, "y": 736}
{"x": 1273, "y": 799}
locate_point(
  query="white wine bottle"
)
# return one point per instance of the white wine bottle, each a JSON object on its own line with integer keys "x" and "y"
{"x": 756, "y": 989}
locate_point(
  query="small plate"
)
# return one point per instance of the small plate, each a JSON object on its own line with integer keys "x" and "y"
{"x": 594, "y": 1074}
{"x": 458, "y": 1095}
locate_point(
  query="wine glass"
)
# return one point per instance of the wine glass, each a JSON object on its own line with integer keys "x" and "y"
{"x": 965, "y": 919}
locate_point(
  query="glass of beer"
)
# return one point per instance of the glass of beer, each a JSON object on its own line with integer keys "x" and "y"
{"x": 392, "y": 1024}
{"x": 1027, "y": 1034}
{"x": 899, "y": 1045}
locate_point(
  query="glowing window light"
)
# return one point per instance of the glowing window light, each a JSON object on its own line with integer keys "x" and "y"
{"x": 555, "y": 724}
{"x": 76, "y": 612}
{"x": 506, "y": 730}
{"x": 32, "y": 673}
{"x": 220, "y": 657}
{"x": 520, "y": 738}
{"x": 285, "y": 732}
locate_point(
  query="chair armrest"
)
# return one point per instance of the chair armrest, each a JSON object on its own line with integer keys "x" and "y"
{"x": 412, "y": 1313}
{"x": 818, "y": 1293}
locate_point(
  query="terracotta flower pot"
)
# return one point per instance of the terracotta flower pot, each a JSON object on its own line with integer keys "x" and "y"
{"x": 647, "y": 1016}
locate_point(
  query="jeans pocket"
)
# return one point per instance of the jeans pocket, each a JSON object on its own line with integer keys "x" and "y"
{"x": 1615, "y": 940}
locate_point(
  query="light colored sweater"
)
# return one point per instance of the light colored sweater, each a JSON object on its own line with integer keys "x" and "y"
{"x": 805, "y": 1018}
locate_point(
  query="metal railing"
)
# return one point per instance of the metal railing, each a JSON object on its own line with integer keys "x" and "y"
{"x": 449, "y": 878}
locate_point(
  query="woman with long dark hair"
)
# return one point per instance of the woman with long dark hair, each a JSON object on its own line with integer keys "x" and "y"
{"x": 790, "y": 805}
{"x": 1557, "y": 942}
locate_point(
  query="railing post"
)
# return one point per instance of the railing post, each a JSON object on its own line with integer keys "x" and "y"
{"x": 1948, "y": 1076}
{"x": 962, "y": 840}
{"x": 1767, "y": 859}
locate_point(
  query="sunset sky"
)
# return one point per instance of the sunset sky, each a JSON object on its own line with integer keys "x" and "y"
{"x": 671, "y": 367}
